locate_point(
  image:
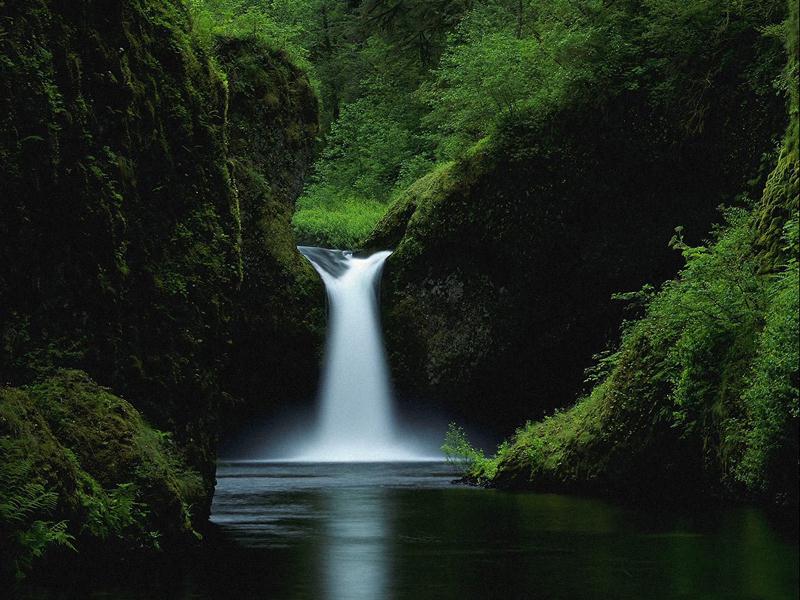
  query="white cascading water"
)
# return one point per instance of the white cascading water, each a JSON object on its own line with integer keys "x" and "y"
{"x": 356, "y": 420}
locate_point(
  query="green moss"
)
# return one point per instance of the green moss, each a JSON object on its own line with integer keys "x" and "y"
{"x": 779, "y": 201}
{"x": 277, "y": 322}
{"x": 147, "y": 193}
{"x": 392, "y": 227}
{"x": 505, "y": 261}
{"x": 499, "y": 288}
{"x": 95, "y": 472}
{"x": 702, "y": 396}
{"x": 120, "y": 233}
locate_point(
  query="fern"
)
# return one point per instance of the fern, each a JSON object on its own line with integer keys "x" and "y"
{"x": 25, "y": 505}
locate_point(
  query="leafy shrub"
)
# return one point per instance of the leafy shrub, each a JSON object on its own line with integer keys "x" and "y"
{"x": 703, "y": 388}
{"x": 283, "y": 25}
{"x": 470, "y": 460}
{"x": 772, "y": 396}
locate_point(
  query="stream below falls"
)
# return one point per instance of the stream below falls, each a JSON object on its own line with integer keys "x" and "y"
{"x": 395, "y": 531}
{"x": 373, "y": 531}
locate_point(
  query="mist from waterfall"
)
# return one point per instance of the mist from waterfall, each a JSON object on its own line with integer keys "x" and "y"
{"x": 356, "y": 420}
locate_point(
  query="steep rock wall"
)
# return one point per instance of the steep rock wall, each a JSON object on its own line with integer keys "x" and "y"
{"x": 120, "y": 231}
{"x": 278, "y": 319}
{"x": 144, "y": 230}
{"x": 499, "y": 290}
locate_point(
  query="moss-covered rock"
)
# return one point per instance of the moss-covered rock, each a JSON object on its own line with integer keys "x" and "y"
{"x": 780, "y": 199}
{"x": 277, "y": 324}
{"x": 701, "y": 400}
{"x": 145, "y": 240}
{"x": 499, "y": 289}
{"x": 703, "y": 396}
{"x": 120, "y": 247}
{"x": 80, "y": 467}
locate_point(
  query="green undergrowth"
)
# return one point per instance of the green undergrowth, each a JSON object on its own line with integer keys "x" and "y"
{"x": 473, "y": 462}
{"x": 699, "y": 398}
{"x": 411, "y": 86}
{"x": 334, "y": 219}
{"x": 80, "y": 467}
{"x": 701, "y": 394}
{"x": 247, "y": 19}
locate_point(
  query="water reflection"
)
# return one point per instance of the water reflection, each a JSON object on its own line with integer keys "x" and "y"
{"x": 402, "y": 531}
{"x": 394, "y": 531}
{"x": 355, "y": 555}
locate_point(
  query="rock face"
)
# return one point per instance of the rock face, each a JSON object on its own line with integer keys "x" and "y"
{"x": 701, "y": 397}
{"x": 144, "y": 212}
{"x": 120, "y": 230}
{"x": 278, "y": 317}
{"x": 500, "y": 287}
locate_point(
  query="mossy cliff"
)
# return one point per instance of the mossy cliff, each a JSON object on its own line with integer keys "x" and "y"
{"x": 136, "y": 214}
{"x": 780, "y": 199}
{"x": 499, "y": 290}
{"x": 120, "y": 226}
{"x": 278, "y": 319}
{"x": 701, "y": 398}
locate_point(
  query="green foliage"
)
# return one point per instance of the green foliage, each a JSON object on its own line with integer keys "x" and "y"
{"x": 416, "y": 27}
{"x": 109, "y": 513}
{"x": 494, "y": 67}
{"x": 326, "y": 216}
{"x": 282, "y": 25}
{"x": 370, "y": 147}
{"x": 475, "y": 465}
{"x": 23, "y": 501}
{"x": 406, "y": 85}
{"x": 78, "y": 464}
{"x": 457, "y": 449}
{"x": 771, "y": 395}
{"x": 507, "y": 56}
{"x": 707, "y": 381}
{"x": 703, "y": 392}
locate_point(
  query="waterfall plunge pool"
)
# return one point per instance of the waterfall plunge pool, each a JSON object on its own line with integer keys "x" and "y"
{"x": 331, "y": 524}
{"x": 402, "y": 531}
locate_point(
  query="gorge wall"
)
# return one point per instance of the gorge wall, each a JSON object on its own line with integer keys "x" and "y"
{"x": 147, "y": 187}
{"x": 499, "y": 290}
{"x": 703, "y": 395}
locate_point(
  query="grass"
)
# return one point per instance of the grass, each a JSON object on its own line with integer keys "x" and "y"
{"x": 326, "y": 217}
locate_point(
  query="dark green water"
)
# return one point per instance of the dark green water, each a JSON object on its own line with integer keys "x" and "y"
{"x": 403, "y": 531}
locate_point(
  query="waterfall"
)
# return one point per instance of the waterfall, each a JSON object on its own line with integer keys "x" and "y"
{"x": 356, "y": 420}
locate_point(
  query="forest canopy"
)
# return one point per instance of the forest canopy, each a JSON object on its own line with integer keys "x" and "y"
{"x": 409, "y": 84}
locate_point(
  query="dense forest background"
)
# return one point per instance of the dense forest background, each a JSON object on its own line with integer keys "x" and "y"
{"x": 549, "y": 174}
{"x": 408, "y": 86}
